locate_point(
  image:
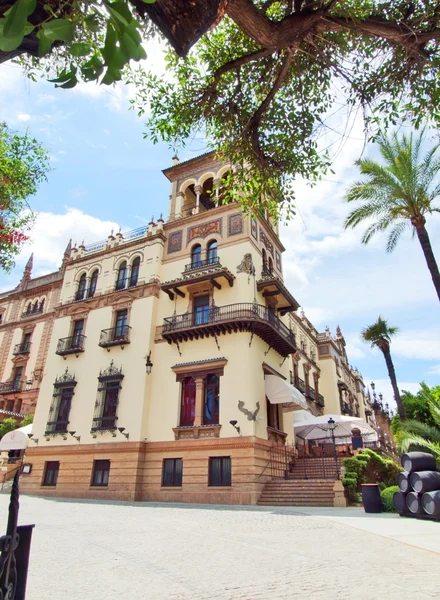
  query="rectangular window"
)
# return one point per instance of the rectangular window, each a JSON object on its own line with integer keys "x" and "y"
{"x": 273, "y": 415}
{"x": 100, "y": 473}
{"x": 172, "y": 472}
{"x": 188, "y": 402}
{"x": 17, "y": 377}
{"x": 26, "y": 342}
{"x": 108, "y": 420}
{"x": 323, "y": 350}
{"x": 121, "y": 324}
{"x": 62, "y": 419}
{"x": 78, "y": 328}
{"x": 201, "y": 310}
{"x": 51, "y": 473}
{"x": 212, "y": 400}
{"x": 219, "y": 471}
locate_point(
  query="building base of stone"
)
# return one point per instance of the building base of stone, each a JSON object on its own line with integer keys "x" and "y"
{"x": 136, "y": 470}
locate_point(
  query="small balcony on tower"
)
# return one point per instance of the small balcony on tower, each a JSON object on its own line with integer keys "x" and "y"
{"x": 242, "y": 317}
{"x": 203, "y": 270}
{"x": 275, "y": 292}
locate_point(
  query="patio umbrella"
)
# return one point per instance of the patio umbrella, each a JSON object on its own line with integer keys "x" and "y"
{"x": 317, "y": 428}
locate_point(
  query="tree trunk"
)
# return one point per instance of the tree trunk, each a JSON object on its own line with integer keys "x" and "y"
{"x": 425, "y": 242}
{"x": 392, "y": 375}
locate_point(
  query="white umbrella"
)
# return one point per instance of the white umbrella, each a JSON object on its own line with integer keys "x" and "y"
{"x": 317, "y": 428}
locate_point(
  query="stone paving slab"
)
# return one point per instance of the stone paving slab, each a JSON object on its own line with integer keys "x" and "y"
{"x": 108, "y": 551}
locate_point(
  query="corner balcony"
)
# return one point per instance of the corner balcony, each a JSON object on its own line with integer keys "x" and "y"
{"x": 271, "y": 285}
{"x": 11, "y": 387}
{"x": 70, "y": 345}
{"x": 209, "y": 270}
{"x": 217, "y": 320}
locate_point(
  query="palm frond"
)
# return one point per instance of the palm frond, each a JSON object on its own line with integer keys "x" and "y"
{"x": 419, "y": 428}
{"x": 407, "y": 441}
{"x": 395, "y": 234}
{"x": 379, "y": 332}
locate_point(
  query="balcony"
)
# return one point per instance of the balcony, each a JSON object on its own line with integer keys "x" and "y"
{"x": 345, "y": 408}
{"x": 301, "y": 385}
{"x": 202, "y": 264}
{"x": 213, "y": 272}
{"x": 127, "y": 283}
{"x": 11, "y": 387}
{"x": 23, "y": 348}
{"x": 320, "y": 400}
{"x": 241, "y": 317}
{"x": 55, "y": 427}
{"x": 32, "y": 313}
{"x": 116, "y": 336}
{"x": 311, "y": 394}
{"x": 272, "y": 286}
{"x": 70, "y": 345}
{"x": 104, "y": 424}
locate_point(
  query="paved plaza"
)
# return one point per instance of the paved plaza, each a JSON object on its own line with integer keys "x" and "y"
{"x": 108, "y": 551}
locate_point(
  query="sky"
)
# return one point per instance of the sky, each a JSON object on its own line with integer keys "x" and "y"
{"x": 105, "y": 175}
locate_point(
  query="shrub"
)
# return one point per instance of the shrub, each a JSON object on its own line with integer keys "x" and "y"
{"x": 386, "y": 496}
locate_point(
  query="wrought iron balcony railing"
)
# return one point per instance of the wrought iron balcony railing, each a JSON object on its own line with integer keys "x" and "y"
{"x": 70, "y": 345}
{"x": 56, "y": 427}
{"x": 301, "y": 385}
{"x": 116, "y": 336}
{"x": 311, "y": 393}
{"x": 320, "y": 400}
{"x": 32, "y": 312}
{"x": 202, "y": 264}
{"x": 23, "y": 348}
{"x": 9, "y": 387}
{"x": 345, "y": 408}
{"x": 104, "y": 423}
{"x": 217, "y": 320}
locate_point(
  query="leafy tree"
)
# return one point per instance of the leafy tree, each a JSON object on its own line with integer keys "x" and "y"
{"x": 7, "y": 425}
{"x": 27, "y": 420}
{"x": 261, "y": 84}
{"x": 416, "y": 406}
{"x": 415, "y": 435}
{"x": 379, "y": 335}
{"x": 399, "y": 193}
{"x": 23, "y": 165}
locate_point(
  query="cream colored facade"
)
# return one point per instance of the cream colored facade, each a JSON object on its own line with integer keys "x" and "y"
{"x": 202, "y": 298}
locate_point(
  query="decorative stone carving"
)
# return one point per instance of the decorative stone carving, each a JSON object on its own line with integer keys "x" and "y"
{"x": 266, "y": 241}
{"x": 251, "y": 416}
{"x": 235, "y": 224}
{"x": 175, "y": 241}
{"x": 197, "y": 432}
{"x": 204, "y": 229}
{"x": 246, "y": 265}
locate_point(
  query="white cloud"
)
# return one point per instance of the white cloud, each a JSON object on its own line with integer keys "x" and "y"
{"x": 435, "y": 370}
{"x": 23, "y": 117}
{"x": 53, "y": 231}
{"x": 423, "y": 345}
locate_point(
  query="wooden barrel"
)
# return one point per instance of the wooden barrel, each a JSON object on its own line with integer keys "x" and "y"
{"x": 399, "y": 501}
{"x": 418, "y": 461}
{"x": 413, "y": 503}
{"x": 431, "y": 503}
{"x": 403, "y": 481}
{"x": 371, "y": 498}
{"x": 425, "y": 481}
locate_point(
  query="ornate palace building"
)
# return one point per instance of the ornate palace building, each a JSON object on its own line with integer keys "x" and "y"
{"x": 157, "y": 356}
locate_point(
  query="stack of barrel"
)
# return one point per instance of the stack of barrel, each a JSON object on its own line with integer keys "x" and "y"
{"x": 419, "y": 485}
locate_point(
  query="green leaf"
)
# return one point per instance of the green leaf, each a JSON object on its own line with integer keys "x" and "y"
{"x": 17, "y": 18}
{"x": 64, "y": 76}
{"x": 92, "y": 69}
{"x": 111, "y": 76}
{"x": 69, "y": 84}
{"x": 28, "y": 28}
{"x": 80, "y": 49}
{"x": 45, "y": 43}
{"x": 130, "y": 47}
{"x": 120, "y": 13}
{"x": 10, "y": 43}
{"x": 110, "y": 44}
{"x": 93, "y": 24}
{"x": 149, "y": 1}
{"x": 59, "y": 29}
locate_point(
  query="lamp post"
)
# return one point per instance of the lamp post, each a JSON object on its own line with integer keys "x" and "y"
{"x": 332, "y": 426}
{"x": 148, "y": 364}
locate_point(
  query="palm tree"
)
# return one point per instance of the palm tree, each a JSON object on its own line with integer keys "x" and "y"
{"x": 398, "y": 194}
{"x": 418, "y": 435}
{"x": 379, "y": 335}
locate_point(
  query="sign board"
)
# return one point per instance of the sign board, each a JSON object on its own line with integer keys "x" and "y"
{"x": 14, "y": 440}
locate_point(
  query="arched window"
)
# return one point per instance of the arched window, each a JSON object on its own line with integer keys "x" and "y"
{"x": 212, "y": 400}
{"x": 196, "y": 256}
{"x": 207, "y": 197}
{"x": 270, "y": 264}
{"x": 82, "y": 284}
{"x": 134, "y": 271}
{"x": 264, "y": 259}
{"x": 42, "y": 305}
{"x": 122, "y": 276}
{"x": 35, "y": 307}
{"x": 212, "y": 252}
{"x": 93, "y": 283}
{"x": 29, "y": 308}
{"x": 188, "y": 401}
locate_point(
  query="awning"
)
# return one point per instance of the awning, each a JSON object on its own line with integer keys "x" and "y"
{"x": 317, "y": 428}
{"x": 280, "y": 392}
{"x": 14, "y": 440}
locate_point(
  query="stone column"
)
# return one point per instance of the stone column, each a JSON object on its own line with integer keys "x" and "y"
{"x": 198, "y": 191}
{"x": 199, "y": 401}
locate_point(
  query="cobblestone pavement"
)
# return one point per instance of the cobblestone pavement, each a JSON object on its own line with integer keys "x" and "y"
{"x": 106, "y": 551}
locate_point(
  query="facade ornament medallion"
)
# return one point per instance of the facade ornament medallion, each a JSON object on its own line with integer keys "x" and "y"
{"x": 251, "y": 416}
{"x": 246, "y": 265}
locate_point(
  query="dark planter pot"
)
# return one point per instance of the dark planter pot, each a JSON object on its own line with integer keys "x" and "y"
{"x": 371, "y": 498}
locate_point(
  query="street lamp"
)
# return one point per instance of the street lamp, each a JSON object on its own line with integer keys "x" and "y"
{"x": 332, "y": 427}
{"x": 148, "y": 364}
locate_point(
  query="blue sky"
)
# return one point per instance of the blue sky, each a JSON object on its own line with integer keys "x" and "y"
{"x": 105, "y": 175}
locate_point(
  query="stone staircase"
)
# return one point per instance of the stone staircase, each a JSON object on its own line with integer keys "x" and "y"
{"x": 298, "y": 492}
